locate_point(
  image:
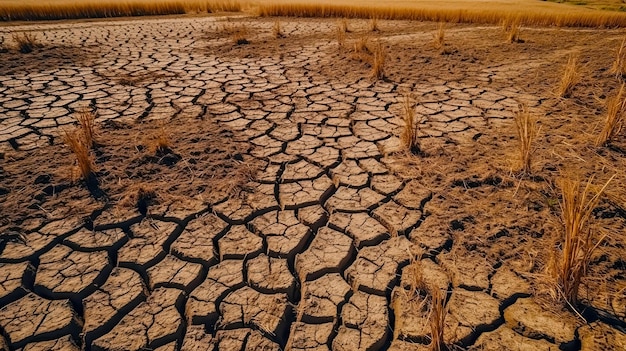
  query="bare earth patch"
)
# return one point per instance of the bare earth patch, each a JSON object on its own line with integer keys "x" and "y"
{"x": 255, "y": 194}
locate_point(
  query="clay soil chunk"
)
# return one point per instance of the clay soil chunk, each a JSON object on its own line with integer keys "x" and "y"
{"x": 413, "y": 196}
{"x": 469, "y": 312}
{"x": 91, "y": 240}
{"x": 283, "y": 232}
{"x": 197, "y": 339}
{"x": 63, "y": 273}
{"x": 195, "y": 243}
{"x": 270, "y": 275}
{"x": 152, "y": 324}
{"x": 248, "y": 307}
{"x": 239, "y": 243}
{"x": 349, "y": 174}
{"x": 62, "y": 344}
{"x": 146, "y": 247}
{"x": 322, "y": 297}
{"x": 353, "y": 200}
{"x": 222, "y": 278}
{"x": 528, "y": 318}
{"x": 599, "y": 336}
{"x": 504, "y": 338}
{"x": 429, "y": 273}
{"x": 243, "y": 339}
{"x": 33, "y": 318}
{"x": 301, "y": 170}
{"x": 310, "y": 337}
{"x": 396, "y": 218}
{"x": 122, "y": 291}
{"x": 329, "y": 252}
{"x": 375, "y": 268}
{"x": 505, "y": 284}
{"x": 469, "y": 271}
{"x": 364, "y": 325}
{"x": 365, "y": 230}
{"x": 13, "y": 278}
{"x": 173, "y": 272}
{"x": 304, "y": 192}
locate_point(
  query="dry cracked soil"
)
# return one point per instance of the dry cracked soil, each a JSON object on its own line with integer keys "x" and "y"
{"x": 283, "y": 213}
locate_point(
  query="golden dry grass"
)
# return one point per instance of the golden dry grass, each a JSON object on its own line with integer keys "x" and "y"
{"x": 75, "y": 140}
{"x": 379, "y": 56}
{"x": 526, "y": 127}
{"x": 439, "y": 38}
{"x": 374, "y": 25}
{"x": 568, "y": 265}
{"x": 614, "y": 122}
{"x": 277, "y": 31}
{"x": 160, "y": 141}
{"x": 619, "y": 65}
{"x": 25, "y": 42}
{"x": 54, "y": 10}
{"x": 240, "y": 35}
{"x": 340, "y": 36}
{"x": 511, "y": 27}
{"x": 437, "y": 320}
{"x": 343, "y": 25}
{"x": 409, "y": 137}
{"x": 86, "y": 120}
{"x": 530, "y": 14}
{"x": 571, "y": 76}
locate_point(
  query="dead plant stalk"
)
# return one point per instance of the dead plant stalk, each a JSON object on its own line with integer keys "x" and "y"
{"x": 614, "y": 122}
{"x": 526, "y": 126}
{"x": 571, "y": 77}
{"x": 410, "y": 132}
{"x": 569, "y": 266}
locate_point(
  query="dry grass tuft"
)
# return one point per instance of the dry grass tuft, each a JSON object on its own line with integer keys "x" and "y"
{"x": 619, "y": 65}
{"x": 240, "y": 35}
{"x": 87, "y": 119}
{"x": 341, "y": 37}
{"x": 26, "y": 42}
{"x": 374, "y": 25}
{"x": 378, "y": 61}
{"x": 277, "y": 31}
{"x": 343, "y": 25}
{"x": 511, "y": 28}
{"x": 439, "y": 37}
{"x": 75, "y": 140}
{"x": 526, "y": 127}
{"x": 437, "y": 320}
{"x": 361, "y": 46}
{"x": 571, "y": 77}
{"x": 568, "y": 266}
{"x": 409, "y": 138}
{"x": 160, "y": 143}
{"x": 614, "y": 122}
{"x": 140, "y": 195}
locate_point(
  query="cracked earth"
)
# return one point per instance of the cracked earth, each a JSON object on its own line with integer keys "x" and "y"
{"x": 285, "y": 215}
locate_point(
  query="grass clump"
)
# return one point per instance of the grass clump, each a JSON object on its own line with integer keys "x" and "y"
{"x": 340, "y": 36}
{"x": 409, "y": 137}
{"x": 511, "y": 28}
{"x": 75, "y": 140}
{"x": 26, "y": 42}
{"x": 619, "y": 65}
{"x": 379, "y": 56}
{"x": 614, "y": 122}
{"x": 571, "y": 77}
{"x": 240, "y": 35}
{"x": 526, "y": 127}
{"x": 437, "y": 320}
{"x": 571, "y": 256}
{"x": 277, "y": 31}
{"x": 439, "y": 37}
{"x": 343, "y": 25}
{"x": 86, "y": 120}
{"x": 374, "y": 25}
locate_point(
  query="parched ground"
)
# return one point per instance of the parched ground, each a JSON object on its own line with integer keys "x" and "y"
{"x": 284, "y": 214}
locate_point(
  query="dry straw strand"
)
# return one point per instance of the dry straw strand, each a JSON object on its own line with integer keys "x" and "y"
{"x": 437, "y": 320}
{"x": 619, "y": 65}
{"x": 571, "y": 77}
{"x": 409, "y": 137}
{"x": 569, "y": 265}
{"x": 277, "y": 31}
{"x": 378, "y": 61}
{"x": 86, "y": 120}
{"x": 75, "y": 140}
{"x": 374, "y": 25}
{"x": 614, "y": 122}
{"x": 439, "y": 37}
{"x": 526, "y": 127}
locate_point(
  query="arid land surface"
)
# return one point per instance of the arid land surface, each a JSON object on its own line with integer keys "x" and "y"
{"x": 284, "y": 214}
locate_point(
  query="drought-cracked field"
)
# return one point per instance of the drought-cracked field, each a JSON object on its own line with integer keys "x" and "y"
{"x": 256, "y": 196}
